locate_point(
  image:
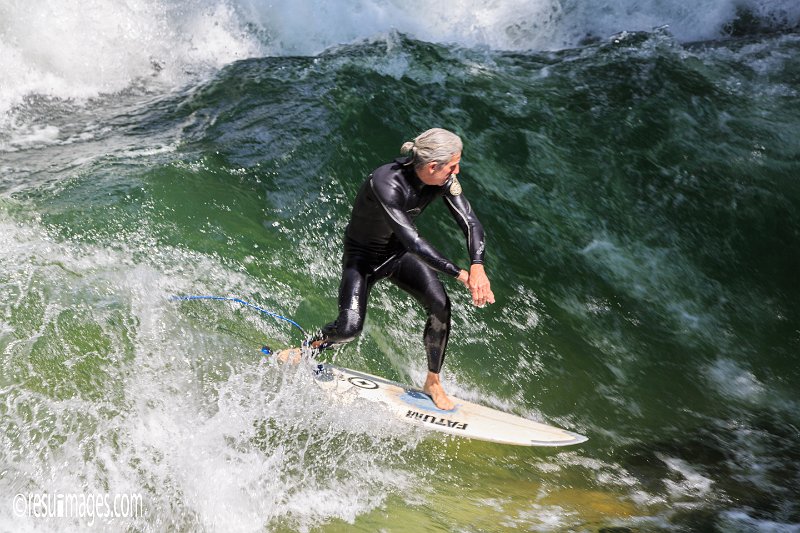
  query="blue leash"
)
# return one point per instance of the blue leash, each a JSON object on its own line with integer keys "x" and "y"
{"x": 247, "y": 304}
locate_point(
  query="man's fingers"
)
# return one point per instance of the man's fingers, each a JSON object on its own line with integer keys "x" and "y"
{"x": 484, "y": 299}
{"x": 481, "y": 290}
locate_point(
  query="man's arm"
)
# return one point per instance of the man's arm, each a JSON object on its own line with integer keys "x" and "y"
{"x": 477, "y": 281}
{"x": 462, "y": 211}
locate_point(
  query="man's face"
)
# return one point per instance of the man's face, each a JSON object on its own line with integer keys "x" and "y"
{"x": 433, "y": 174}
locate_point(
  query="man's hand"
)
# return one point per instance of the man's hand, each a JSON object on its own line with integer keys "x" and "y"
{"x": 478, "y": 284}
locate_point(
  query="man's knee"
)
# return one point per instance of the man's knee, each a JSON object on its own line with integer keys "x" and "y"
{"x": 439, "y": 308}
{"x": 346, "y": 328}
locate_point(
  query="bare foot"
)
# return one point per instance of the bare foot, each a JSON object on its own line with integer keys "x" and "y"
{"x": 317, "y": 344}
{"x": 433, "y": 388}
{"x": 289, "y": 355}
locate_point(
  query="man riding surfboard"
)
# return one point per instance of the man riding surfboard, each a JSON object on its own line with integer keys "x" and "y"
{"x": 381, "y": 241}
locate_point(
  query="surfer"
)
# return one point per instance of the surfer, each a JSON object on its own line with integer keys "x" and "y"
{"x": 381, "y": 241}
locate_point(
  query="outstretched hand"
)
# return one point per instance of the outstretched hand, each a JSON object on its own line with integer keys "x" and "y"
{"x": 478, "y": 284}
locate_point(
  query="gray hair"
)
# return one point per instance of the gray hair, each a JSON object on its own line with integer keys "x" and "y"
{"x": 434, "y": 145}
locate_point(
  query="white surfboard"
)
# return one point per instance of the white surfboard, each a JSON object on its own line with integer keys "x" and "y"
{"x": 411, "y": 405}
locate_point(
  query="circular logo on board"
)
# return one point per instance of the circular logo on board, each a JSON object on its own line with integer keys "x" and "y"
{"x": 363, "y": 383}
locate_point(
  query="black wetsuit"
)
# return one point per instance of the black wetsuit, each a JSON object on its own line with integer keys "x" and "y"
{"x": 382, "y": 242}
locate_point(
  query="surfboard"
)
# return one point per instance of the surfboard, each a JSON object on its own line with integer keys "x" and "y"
{"x": 411, "y": 405}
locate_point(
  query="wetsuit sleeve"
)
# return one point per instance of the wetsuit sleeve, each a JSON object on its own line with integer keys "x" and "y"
{"x": 390, "y": 198}
{"x": 470, "y": 225}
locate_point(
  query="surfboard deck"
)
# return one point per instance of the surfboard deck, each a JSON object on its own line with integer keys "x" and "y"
{"x": 411, "y": 405}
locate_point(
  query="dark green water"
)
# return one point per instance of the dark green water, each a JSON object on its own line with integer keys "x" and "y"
{"x": 642, "y": 205}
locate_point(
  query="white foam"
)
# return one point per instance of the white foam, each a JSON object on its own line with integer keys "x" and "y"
{"x": 690, "y": 484}
{"x": 733, "y": 381}
{"x": 78, "y": 49}
{"x": 182, "y": 412}
{"x": 524, "y": 309}
{"x": 539, "y": 517}
{"x": 32, "y": 135}
{"x": 309, "y": 26}
{"x": 742, "y": 522}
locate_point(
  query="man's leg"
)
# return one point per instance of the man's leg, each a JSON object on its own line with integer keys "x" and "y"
{"x": 357, "y": 280}
{"x": 422, "y": 282}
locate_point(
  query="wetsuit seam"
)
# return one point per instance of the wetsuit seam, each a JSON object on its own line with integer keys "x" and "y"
{"x": 464, "y": 218}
